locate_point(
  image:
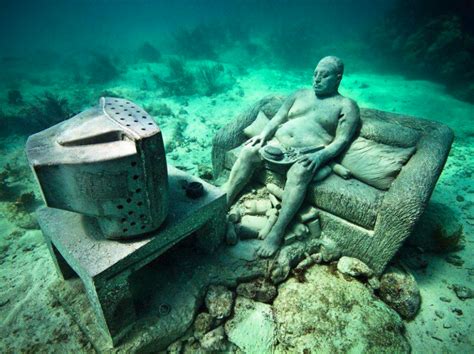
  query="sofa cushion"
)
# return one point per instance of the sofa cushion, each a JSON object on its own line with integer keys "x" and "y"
{"x": 350, "y": 199}
{"x": 375, "y": 164}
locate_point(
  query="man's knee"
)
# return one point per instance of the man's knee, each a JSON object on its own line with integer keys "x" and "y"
{"x": 298, "y": 174}
{"x": 249, "y": 154}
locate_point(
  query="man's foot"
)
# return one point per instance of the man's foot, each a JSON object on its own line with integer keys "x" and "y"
{"x": 269, "y": 246}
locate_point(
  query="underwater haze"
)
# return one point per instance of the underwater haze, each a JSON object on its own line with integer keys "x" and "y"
{"x": 194, "y": 65}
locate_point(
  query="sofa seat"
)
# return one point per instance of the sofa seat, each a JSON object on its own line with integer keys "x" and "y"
{"x": 349, "y": 199}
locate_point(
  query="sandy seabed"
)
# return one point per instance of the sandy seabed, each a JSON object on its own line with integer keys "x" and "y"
{"x": 32, "y": 321}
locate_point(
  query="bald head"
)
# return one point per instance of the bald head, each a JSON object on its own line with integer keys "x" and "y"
{"x": 335, "y": 62}
{"x": 328, "y": 76}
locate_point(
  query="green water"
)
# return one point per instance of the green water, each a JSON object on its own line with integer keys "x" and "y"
{"x": 195, "y": 65}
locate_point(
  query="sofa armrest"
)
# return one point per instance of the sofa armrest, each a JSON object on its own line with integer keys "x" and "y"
{"x": 410, "y": 192}
{"x": 232, "y": 135}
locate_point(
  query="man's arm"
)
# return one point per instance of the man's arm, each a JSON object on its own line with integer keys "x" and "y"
{"x": 272, "y": 126}
{"x": 349, "y": 120}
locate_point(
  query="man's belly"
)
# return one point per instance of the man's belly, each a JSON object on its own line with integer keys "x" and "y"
{"x": 302, "y": 132}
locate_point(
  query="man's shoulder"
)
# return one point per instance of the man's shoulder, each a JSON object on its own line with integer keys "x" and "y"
{"x": 348, "y": 102}
{"x": 304, "y": 92}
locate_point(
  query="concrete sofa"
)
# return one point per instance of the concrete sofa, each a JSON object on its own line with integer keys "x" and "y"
{"x": 368, "y": 218}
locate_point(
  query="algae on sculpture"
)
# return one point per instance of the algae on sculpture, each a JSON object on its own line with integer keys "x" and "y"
{"x": 383, "y": 178}
{"x": 309, "y": 130}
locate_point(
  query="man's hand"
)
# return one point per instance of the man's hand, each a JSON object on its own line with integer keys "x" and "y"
{"x": 258, "y": 140}
{"x": 312, "y": 161}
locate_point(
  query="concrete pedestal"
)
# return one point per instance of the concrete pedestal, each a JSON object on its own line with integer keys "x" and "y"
{"x": 105, "y": 265}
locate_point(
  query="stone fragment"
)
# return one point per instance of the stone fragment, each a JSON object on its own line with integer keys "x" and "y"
{"x": 250, "y": 226}
{"x": 231, "y": 237}
{"x": 252, "y": 328}
{"x": 457, "y": 311}
{"x": 354, "y": 267}
{"x": 439, "y": 314}
{"x": 175, "y": 347}
{"x": 463, "y": 292}
{"x": 219, "y": 301}
{"x": 258, "y": 290}
{"x": 445, "y": 299}
{"x": 329, "y": 251}
{"x": 374, "y": 283}
{"x": 214, "y": 340}
{"x": 257, "y": 206}
{"x": 399, "y": 290}
{"x": 328, "y": 314}
{"x": 202, "y": 324}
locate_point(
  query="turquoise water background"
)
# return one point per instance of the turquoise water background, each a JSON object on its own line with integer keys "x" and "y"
{"x": 194, "y": 65}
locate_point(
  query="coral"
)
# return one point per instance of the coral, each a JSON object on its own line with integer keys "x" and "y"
{"x": 26, "y": 202}
{"x": 101, "y": 69}
{"x": 48, "y": 110}
{"x": 214, "y": 79}
{"x": 161, "y": 110}
{"x": 14, "y": 97}
{"x": 219, "y": 301}
{"x": 180, "y": 81}
{"x": 435, "y": 41}
{"x": 149, "y": 53}
{"x": 329, "y": 314}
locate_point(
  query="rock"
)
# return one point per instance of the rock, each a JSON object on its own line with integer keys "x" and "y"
{"x": 205, "y": 172}
{"x": 202, "y": 324}
{"x": 219, "y": 301}
{"x": 438, "y": 230}
{"x": 258, "y": 290}
{"x": 214, "y": 340}
{"x": 399, "y": 290}
{"x": 328, "y": 314}
{"x": 374, "y": 283}
{"x": 445, "y": 299}
{"x": 439, "y": 314}
{"x": 26, "y": 221}
{"x": 329, "y": 250}
{"x": 252, "y": 328}
{"x": 457, "y": 311}
{"x": 354, "y": 267}
{"x": 463, "y": 292}
{"x": 175, "y": 348}
{"x": 454, "y": 259}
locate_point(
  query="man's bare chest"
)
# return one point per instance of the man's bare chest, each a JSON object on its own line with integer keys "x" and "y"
{"x": 324, "y": 114}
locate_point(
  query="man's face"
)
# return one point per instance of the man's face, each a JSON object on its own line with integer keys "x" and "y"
{"x": 325, "y": 79}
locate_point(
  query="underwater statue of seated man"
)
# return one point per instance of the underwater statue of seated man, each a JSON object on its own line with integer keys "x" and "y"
{"x": 319, "y": 124}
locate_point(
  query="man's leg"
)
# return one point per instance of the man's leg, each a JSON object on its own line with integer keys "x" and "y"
{"x": 241, "y": 172}
{"x": 298, "y": 178}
